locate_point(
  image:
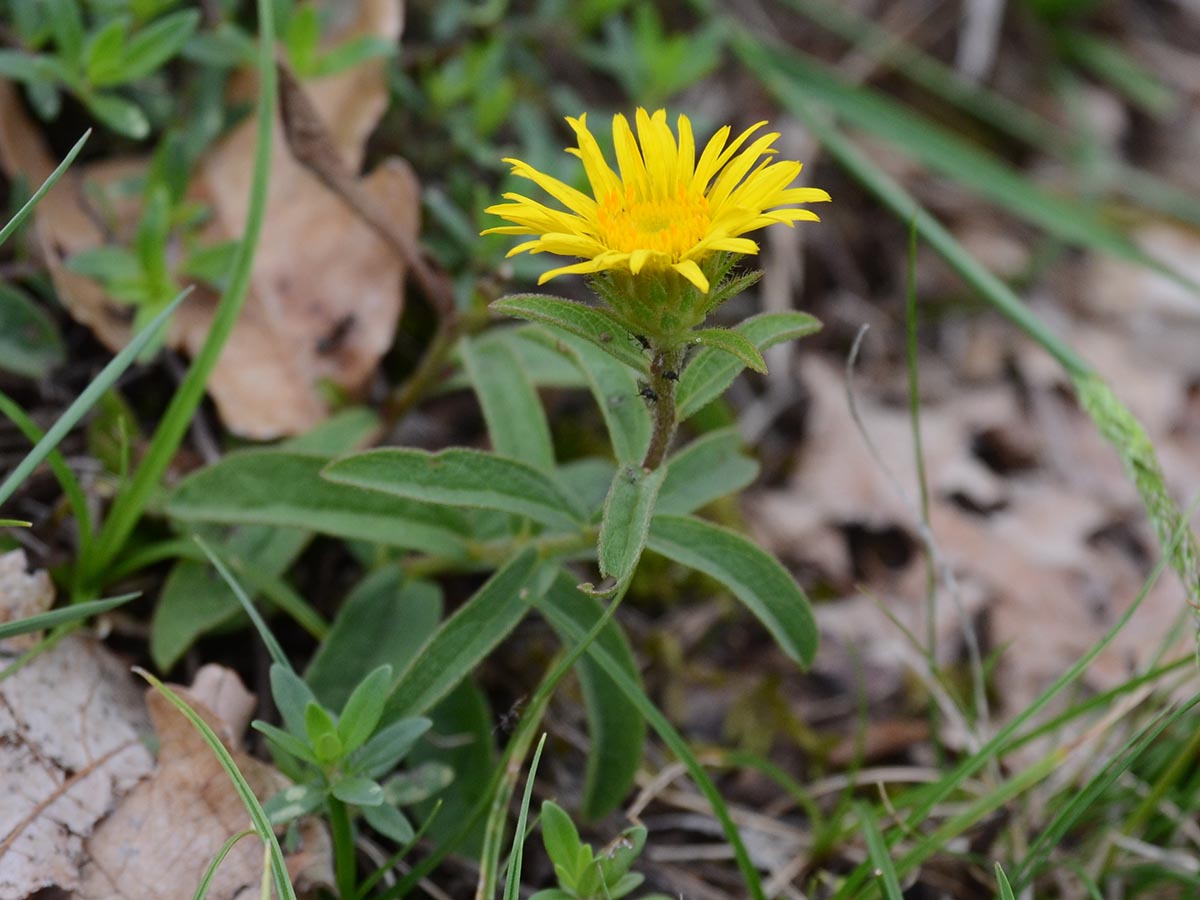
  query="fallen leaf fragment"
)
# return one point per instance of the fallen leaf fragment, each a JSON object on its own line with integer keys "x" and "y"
{"x": 161, "y": 838}
{"x": 72, "y": 725}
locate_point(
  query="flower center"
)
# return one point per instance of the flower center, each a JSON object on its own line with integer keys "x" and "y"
{"x": 670, "y": 225}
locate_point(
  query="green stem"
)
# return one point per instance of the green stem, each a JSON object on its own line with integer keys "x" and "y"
{"x": 345, "y": 869}
{"x": 129, "y": 505}
{"x": 664, "y": 378}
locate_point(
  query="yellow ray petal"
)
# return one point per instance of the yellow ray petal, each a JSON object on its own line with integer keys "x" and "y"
{"x": 689, "y": 270}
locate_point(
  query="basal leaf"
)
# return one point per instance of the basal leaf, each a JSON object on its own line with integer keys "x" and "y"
{"x": 278, "y": 487}
{"x": 515, "y": 419}
{"x": 464, "y": 639}
{"x": 457, "y": 477}
{"x": 616, "y": 730}
{"x": 383, "y": 603}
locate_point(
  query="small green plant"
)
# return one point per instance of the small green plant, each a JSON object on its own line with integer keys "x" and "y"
{"x": 337, "y": 758}
{"x": 582, "y": 873}
{"x": 100, "y": 57}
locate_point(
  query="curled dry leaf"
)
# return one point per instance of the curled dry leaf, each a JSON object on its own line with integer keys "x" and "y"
{"x": 165, "y": 832}
{"x": 326, "y": 291}
{"x": 72, "y": 725}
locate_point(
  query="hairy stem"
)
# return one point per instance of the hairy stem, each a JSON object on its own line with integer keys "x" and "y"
{"x": 664, "y": 377}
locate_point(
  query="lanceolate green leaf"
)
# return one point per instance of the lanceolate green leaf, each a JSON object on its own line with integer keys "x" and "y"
{"x": 154, "y": 44}
{"x": 706, "y": 469}
{"x": 615, "y": 388}
{"x": 262, "y": 824}
{"x": 735, "y": 344}
{"x": 753, "y": 575}
{"x": 515, "y": 419}
{"x": 711, "y": 371}
{"x": 1111, "y": 417}
{"x": 457, "y": 477}
{"x": 384, "y": 602}
{"x": 86, "y": 400}
{"x": 465, "y": 639}
{"x": 627, "y": 512}
{"x": 276, "y": 487}
{"x": 588, "y": 322}
{"x": 30, "y": 344}
{"x": 671, "y": 738}
{"x": 62, "y": 615}
{"x": 615, "y": 727}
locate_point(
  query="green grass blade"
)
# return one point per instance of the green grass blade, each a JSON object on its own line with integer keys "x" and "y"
{"x": 15, "y": 222}
{"x": 1004, "y": 736}
{"x": 262, "y": 825}
{"x": 616, "y": 731}
{"x": 672, "y": 738}
{"x": 512, "y": 886}
{"x": 1079, "y": 801}
{"x": 71, "y": 488}
{"x": 1006, "y": 891}
{"x": 264, "y": 632}
{"x": 1112, "y": 418}
{"x": 881, "y": 858}
{"x": 800, "y": 80}
{"x": 73, "y": 613}
{"x": 130, "y": 503}
{"x": 515, "y": 419}
{"x": 211, "y": 871}
{"x": 86, "y": 400}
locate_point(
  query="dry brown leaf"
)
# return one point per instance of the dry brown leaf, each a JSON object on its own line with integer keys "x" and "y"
{"x": 326, "y": 291}
{"x": 1049, "y": 552}
{"x": 22, "y": 594}
{"x": 72, "y": 726}
{"x": 161, "y": 838}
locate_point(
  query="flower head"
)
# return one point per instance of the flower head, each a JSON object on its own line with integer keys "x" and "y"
{"x": 666, "y": 211}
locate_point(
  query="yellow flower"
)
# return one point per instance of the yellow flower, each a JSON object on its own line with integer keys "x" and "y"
{"x": 666, "y": 210}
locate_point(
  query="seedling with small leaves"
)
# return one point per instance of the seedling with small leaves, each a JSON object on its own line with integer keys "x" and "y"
{"x": 584, "y": 874}
{"x": 341, "y": 759}
{"x": 99, "y": 58}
